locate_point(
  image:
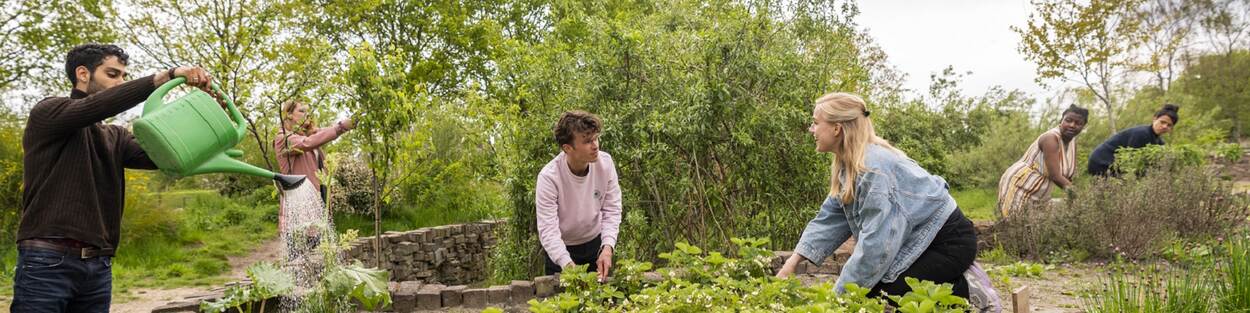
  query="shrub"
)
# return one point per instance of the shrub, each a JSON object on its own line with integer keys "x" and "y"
{"x": 351, "y": 189}
{"x": 1132, "y": 217}
{"x": 1171, "y": 158}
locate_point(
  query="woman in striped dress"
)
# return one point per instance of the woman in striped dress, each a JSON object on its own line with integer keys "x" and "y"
{"x": 1051, "y": 159}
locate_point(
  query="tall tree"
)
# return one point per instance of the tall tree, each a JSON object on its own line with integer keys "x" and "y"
{"x": 249, "y": 46}
{"x": 409, "y": 59}
{"x": 1226, "y": 24}
{"x": 37, "y": 34}
{"x": 1171, "y": 26}
{"x": 1087, "y": 43}
{"x": 1220, "y": 81}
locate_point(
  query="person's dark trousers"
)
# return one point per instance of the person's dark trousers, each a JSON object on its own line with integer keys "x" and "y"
{"x": 948, "y": 256}
{"x": 586, "y": 253}
{"x": 1101, "y": 170}
{"x": 51, "y": 281}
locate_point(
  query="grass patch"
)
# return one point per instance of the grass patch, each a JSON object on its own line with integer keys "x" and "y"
{"x": 977, "y": 204}
{"x": 191, "y": 246}
{"x": 998, "y": 255}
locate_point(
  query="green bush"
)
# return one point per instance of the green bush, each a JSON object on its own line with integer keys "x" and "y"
{"x": 1007, "y": 138}
{"x": 1133, "y": 217}
{"x": 351, "y": 189}
{"x": 1172, "y": 158}
{"x": 10, "y": 188}
{"x": 704, "y": 105}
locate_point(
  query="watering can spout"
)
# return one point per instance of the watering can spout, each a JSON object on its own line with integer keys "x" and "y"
{"x": 289, "y": 182}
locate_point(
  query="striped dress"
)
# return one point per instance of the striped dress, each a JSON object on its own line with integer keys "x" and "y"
{"x": 1027, "y": 181}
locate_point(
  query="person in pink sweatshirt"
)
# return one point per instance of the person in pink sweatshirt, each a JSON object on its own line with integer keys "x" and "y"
{"x": 298, "y": 146}
{"x": 578, "y": 198}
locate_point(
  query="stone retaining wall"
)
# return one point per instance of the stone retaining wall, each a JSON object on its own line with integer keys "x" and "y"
{"x": 450, "y": 254}
{"x": 431, "y": 269}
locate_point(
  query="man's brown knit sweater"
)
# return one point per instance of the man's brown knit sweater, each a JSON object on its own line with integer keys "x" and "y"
{"x": 74, "y": 182}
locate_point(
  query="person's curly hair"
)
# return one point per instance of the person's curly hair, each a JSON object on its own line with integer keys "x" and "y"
{"x": 575, "y": 122}
{"x": 91, "y": 55}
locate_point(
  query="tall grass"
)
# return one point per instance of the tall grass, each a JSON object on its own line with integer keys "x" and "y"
{"x": 1235, "y": 291}
{"x": 1220, "y": 286}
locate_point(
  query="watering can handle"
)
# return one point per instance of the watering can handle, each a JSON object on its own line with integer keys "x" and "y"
{"x": 156, "y": 101}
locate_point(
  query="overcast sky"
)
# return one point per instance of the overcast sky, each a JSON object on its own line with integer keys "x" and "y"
{"x": 923, "y": 37}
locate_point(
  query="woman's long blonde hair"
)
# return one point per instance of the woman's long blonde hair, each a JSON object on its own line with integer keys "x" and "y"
{"x": 288, "y": 124}
{"x": 857, "y": 132}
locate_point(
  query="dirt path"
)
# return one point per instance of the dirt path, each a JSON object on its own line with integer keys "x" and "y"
{"x": 1057, "y": 290}
{"x": 144, "y": 300}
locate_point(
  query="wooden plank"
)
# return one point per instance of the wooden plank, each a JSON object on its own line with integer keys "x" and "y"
{"x": 1020, "y": 299}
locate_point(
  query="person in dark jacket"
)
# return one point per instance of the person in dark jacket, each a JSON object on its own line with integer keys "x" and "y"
{"x": 74, "y": 183}
{"x": 1102, "y": 160}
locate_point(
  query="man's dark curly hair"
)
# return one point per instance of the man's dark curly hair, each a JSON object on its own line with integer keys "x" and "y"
{"x": 91, "y": 55}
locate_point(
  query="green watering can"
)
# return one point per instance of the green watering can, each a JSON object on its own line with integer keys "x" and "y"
{"x": 191, "y": 136}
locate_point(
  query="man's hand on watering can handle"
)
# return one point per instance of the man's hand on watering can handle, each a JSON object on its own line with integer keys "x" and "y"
{"x": 196, "y": 76}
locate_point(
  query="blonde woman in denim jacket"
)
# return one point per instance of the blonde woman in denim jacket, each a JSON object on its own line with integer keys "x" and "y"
{"x": 904, "y": 218}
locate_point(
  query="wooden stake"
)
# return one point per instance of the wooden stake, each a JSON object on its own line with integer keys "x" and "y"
{"x": 1020, "y": 299}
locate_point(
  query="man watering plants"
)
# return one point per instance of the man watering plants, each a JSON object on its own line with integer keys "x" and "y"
{"x": 578, "y": 198}
{"x": 74, "y": 181}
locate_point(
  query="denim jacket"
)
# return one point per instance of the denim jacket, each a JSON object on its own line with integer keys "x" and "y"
{"x": 898, "y": 209}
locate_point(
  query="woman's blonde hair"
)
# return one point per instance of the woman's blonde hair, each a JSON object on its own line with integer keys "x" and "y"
{"x": 857, "y": 132}
{"x": 288, "y": 124}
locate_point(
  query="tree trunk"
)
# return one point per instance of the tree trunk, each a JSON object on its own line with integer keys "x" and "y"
{"x": 1111, "y": 118}
{"x": 377, "y": 220}
{"x": 260, "y": 142}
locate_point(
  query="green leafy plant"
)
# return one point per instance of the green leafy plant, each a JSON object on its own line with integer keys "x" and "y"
{"x": 1235, "y": 290}
{"x": 340, "y": 283}
{"x": 1170, "y": 158}
{"x": 343, "y": 282}
{"x": 928, "y": 297}
{"x": 358, "y": 282}
{"x": 268, "y": 281}
{"x": 1021, "y": 269}
{"x": 699, "y": 281}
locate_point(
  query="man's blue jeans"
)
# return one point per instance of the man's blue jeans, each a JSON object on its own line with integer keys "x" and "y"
{"x": 50, "y": 281}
